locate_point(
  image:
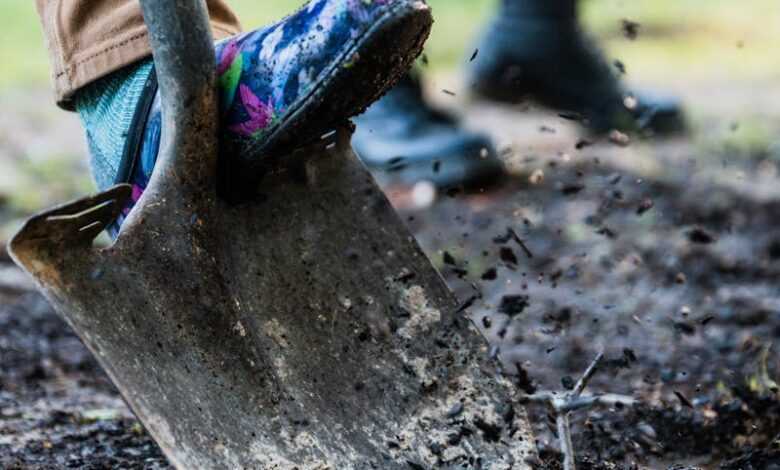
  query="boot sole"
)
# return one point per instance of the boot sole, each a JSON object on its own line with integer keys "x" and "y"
{"x": 397, "y": 37}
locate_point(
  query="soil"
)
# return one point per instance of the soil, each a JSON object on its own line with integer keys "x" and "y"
{"x": 673, "y": 273}
{"x": 665, "y": 256}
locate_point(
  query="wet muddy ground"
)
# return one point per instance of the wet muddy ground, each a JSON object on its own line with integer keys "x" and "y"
{"x": 675, "y": 277}
{"x": 665, "y": 256}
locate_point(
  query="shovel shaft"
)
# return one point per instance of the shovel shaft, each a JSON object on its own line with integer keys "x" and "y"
{"x": 184, "y": 59}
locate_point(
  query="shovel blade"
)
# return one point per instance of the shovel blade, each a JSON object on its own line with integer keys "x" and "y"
{"x": 304, "y": 329}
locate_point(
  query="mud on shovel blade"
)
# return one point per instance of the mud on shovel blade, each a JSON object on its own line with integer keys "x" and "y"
{"x": 303, "y": 330}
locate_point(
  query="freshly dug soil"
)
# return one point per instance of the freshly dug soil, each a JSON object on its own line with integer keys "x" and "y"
{"x": 672, "y": 272}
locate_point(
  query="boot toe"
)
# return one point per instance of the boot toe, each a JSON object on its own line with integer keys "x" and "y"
{"x": 659, "y": 114}
{"x": 444, "y": 156}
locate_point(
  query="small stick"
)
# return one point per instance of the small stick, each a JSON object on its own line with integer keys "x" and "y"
{"x": 589, "y": 401}
{"x": 562, "y": 404}
{"x": 564, "y": 436}
{"x": 583, "y": 382}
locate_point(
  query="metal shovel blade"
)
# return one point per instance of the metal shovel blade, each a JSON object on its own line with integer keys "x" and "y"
{"x": 303, "y": 329}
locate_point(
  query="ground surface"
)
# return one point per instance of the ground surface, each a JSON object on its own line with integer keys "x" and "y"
{"x": 665, "y": 255}
{"x": 683, "y": 297}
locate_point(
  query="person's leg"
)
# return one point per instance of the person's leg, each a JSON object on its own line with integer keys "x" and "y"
{"x": 537, "y": 49}
{"x": 531, "y": 49}
{"x": 88, "y": 40}
{"x": 289, "y": 82}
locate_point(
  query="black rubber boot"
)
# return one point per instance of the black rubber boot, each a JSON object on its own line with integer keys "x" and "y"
{"x": 535, "y": 49}
{"x": 409, "y": 141}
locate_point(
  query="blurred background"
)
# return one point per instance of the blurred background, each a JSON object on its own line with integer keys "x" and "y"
{"x": 665, "y": 252}
{"x": 720, "y": 56}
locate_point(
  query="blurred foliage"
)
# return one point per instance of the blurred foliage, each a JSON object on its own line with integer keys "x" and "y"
{"x": 728, "y": 39}
{"x": 688, "y": 42}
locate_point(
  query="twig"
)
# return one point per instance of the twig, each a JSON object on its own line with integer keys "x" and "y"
{"x": 589, "y": 372}
{"x": 563, "y": 403}
{"x": 564, "y": 436}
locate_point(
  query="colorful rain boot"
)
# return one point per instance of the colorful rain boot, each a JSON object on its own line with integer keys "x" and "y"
{"x": 536, "y": 49}
{"x": 407, "y": 140}
{"x": 280, "y": 86}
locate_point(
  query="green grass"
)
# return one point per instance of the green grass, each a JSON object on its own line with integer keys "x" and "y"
{"x": 693, "y": 39}
{"x": 678, "y": 38}
{"x": 22, "y": 54}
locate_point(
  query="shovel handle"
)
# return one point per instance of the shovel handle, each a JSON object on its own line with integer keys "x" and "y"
{"x": 183, "y": 50}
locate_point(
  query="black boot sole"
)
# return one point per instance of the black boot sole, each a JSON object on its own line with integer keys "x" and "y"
{"x": 396, "y": 39}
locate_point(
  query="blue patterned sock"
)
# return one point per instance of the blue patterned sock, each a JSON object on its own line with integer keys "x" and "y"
{"x": 106, "y": 108}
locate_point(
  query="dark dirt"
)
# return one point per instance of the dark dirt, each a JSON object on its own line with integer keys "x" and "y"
{"x": 674, "y": 274}
{"x": 675, "y": 277}
{"x": 57, "y": 407}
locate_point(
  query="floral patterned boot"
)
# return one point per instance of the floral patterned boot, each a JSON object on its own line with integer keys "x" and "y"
{"x": 279, "y": 86}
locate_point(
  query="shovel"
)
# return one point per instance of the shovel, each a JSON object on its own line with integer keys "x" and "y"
{"x": 304, "y": 329}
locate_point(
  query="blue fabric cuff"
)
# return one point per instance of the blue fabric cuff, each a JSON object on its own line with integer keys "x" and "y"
{"x": 106, "y": 108}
